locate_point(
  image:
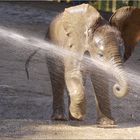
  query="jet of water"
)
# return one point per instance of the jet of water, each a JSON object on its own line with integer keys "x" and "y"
{"x": 51, "y": 49}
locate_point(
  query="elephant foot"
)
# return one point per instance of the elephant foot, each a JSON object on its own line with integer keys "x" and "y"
{"x": 76, "y": 117}
{"x": 58, "y": 116}
{"x": 105, "y": 122}
{"x": 77, "y": 111}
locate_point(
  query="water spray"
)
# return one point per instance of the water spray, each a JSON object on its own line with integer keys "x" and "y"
{"x": 49, "y": 49}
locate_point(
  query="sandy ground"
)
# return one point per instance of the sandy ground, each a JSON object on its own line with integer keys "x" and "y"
{"x": 25, "y": 105}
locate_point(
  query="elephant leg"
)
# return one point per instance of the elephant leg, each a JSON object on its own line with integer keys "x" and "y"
{"x": 56, "y": 70}
{"x": 74, "y": 83}
{"x": 101, "y": 85}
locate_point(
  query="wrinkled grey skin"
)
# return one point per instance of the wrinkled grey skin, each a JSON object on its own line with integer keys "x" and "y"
{"x": 81, "y": 29}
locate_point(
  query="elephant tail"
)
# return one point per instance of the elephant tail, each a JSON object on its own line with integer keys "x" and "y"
{"x": 28, "y": 61}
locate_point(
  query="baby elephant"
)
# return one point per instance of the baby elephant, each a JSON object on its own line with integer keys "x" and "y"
{"x": 81, "y": 29}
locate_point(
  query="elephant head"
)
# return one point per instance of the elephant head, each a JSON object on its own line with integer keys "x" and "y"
{"x": 107, "y": 46}
{"x": 86, "y": 30}
{"x": 81, "y": 29}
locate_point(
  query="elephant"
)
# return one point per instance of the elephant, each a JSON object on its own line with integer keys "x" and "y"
{"x": 130, "y": 31}
{"x": 82, "y": 29}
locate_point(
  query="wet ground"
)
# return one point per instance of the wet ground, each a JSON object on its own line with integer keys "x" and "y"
{"x": 25, "y": 105}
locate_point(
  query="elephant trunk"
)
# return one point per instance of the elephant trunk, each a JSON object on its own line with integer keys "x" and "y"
{"x": 120, "y": 89}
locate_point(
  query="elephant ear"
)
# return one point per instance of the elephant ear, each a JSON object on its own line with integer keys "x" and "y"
{"x": 127, "y": 20}
{"x": 80, "y": 15}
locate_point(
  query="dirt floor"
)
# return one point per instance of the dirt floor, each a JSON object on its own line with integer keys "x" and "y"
{"x": 25, "y": 105}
